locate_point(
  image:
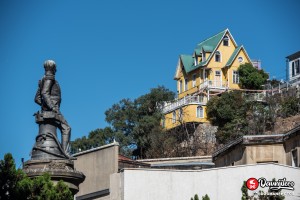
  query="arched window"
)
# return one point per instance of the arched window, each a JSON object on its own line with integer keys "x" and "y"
{"x": 174, "y": 117}
{"x": 199, "y": 112}
{"x": 225, "y": 41}
{"x": 218, "y": 56}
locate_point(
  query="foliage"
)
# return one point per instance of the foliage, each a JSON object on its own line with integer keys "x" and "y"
{"x": 95, "y": 138}
{"x": 244, "y": 190}
{"x": 14, "y": 184}
{"x": 196, "y": 197}
{"x": 228, "y": 112}
{"x": 9, "y": 177}
{"x": 135, "y": 124}
{"x": 250, "y": 77}
{"x": 206, "y": 197}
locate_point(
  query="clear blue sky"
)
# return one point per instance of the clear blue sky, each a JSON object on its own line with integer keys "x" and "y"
{"x": 109, "y": 50}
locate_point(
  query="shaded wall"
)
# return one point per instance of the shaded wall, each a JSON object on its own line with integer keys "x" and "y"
{"x": 97, "y": 165}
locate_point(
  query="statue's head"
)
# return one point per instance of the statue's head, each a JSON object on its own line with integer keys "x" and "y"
{"x": 50, "y": 65}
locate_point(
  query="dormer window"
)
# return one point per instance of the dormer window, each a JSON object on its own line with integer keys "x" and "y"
{"x": 225, "y": 41}
{"x": 203, "y": 56}
{"x": 218, "y": 56}
{"x": 196, "y": 60}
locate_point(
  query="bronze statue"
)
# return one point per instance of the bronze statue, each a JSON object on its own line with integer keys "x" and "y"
{"x": 48, "y": 154}
{"x": 48, "y": 96}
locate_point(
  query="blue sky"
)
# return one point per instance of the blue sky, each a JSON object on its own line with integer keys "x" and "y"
{"x": 109, "y": 50}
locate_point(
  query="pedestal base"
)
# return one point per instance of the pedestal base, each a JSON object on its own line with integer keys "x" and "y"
{"x": 58, "y": 170}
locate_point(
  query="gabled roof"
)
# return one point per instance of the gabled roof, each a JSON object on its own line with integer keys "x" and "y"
{"x": 210, "y": 44}
{"x": 188, "y": 63}
{"x": 234, "y": 55}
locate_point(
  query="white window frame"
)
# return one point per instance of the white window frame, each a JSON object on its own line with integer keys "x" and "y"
{"x": 218, "y": 53}
{"x": 240, "y": 59}
{"x": 226, "y": 38}
{"x": 199, "y": 112}
{"x": 297, "y": 67}
{"x": 194, "y": 80}
{"x": 180, "y": 86}
{"x": 235, "y": 77}
{"x": 174, "y": 117}
{"x": 203, "y": 56}
{"x": 186, "y": 86}
{"x": 196, "y": 60}
{"x": 219, "y": 73}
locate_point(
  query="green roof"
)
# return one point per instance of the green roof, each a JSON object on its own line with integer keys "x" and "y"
{"x": 188, "y": 62}
{"x": 234, "y": 54}
{"x": 207, "y": 45}
{"x": 210, "y": 44}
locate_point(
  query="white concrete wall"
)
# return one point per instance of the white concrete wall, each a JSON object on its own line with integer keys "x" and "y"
{"x": 219, "y": 183}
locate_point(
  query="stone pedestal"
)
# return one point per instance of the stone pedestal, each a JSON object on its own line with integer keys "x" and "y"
{"x": 48, "y": 156}
{"x": 58, "y": 170}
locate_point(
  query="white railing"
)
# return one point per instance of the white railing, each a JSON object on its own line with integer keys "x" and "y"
{"x": 256, "y": 96}
{"x": 214, "y": 84}
{"x": 169, "y": 106}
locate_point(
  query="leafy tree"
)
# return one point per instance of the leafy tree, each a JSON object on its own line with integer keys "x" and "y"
{"x": 250, "y": 77}
{"x": 228, "y": 112}
{"x": 195, "y": 197}
{"x": 9, "y": 177}
{"x": 135, "y": 124}
{"x": 95, "y": 138}
{"x": 14, "y": 184}
{"x": 244, "y": 190}
{"x": 206, "y": 197}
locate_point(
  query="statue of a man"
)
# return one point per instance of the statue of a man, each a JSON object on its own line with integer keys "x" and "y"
{"x": 48, "y": 96}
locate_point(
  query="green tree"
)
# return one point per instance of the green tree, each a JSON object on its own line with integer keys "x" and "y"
{"x": 196, "y": 197}
{"x": 228, "y": 112}
{"x": 14, "y": 184}
{"x": 96, "y": 138}
{"x": 135, "y": 124}
{"x": 206, "y": 197}
{"x": 244, "y": 190}
{"x": 250, "y": 77}
{"x": 9, "y": 177}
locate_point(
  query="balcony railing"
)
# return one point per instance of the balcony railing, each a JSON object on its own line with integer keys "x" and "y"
{"x": 214, "y": 84}
{"x": 255, "y": 96}
{"x": 169, "y": 106}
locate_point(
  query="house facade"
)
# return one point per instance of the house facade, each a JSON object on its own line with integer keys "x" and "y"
{"x": 293, "y": 68}
{"x": 210, "y": 70}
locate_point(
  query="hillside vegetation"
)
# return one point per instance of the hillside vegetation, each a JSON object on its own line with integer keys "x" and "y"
{"x": 136, "y": 124}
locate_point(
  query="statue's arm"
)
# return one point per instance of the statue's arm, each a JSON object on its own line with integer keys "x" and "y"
{"x": 38, "y": 98}
{"x": 46, "y": 93}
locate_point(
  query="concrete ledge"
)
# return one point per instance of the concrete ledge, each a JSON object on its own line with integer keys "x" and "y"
{"x": 96, "y": 149}
{"x": 93, "y": 195}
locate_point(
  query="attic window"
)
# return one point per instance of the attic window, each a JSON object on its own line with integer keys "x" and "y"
{"x": 196, "y": 60}
{"x": 240, "y": 59}
{"x": 225, "y": 41}
{"x": 218, "y": 56}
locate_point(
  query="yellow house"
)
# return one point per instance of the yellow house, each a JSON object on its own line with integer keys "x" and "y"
{"x": 210, "y": 70}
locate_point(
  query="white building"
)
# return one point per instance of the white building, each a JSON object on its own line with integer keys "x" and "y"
{"x": 218, "y": 183}
{"x": 293, "y": 68}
